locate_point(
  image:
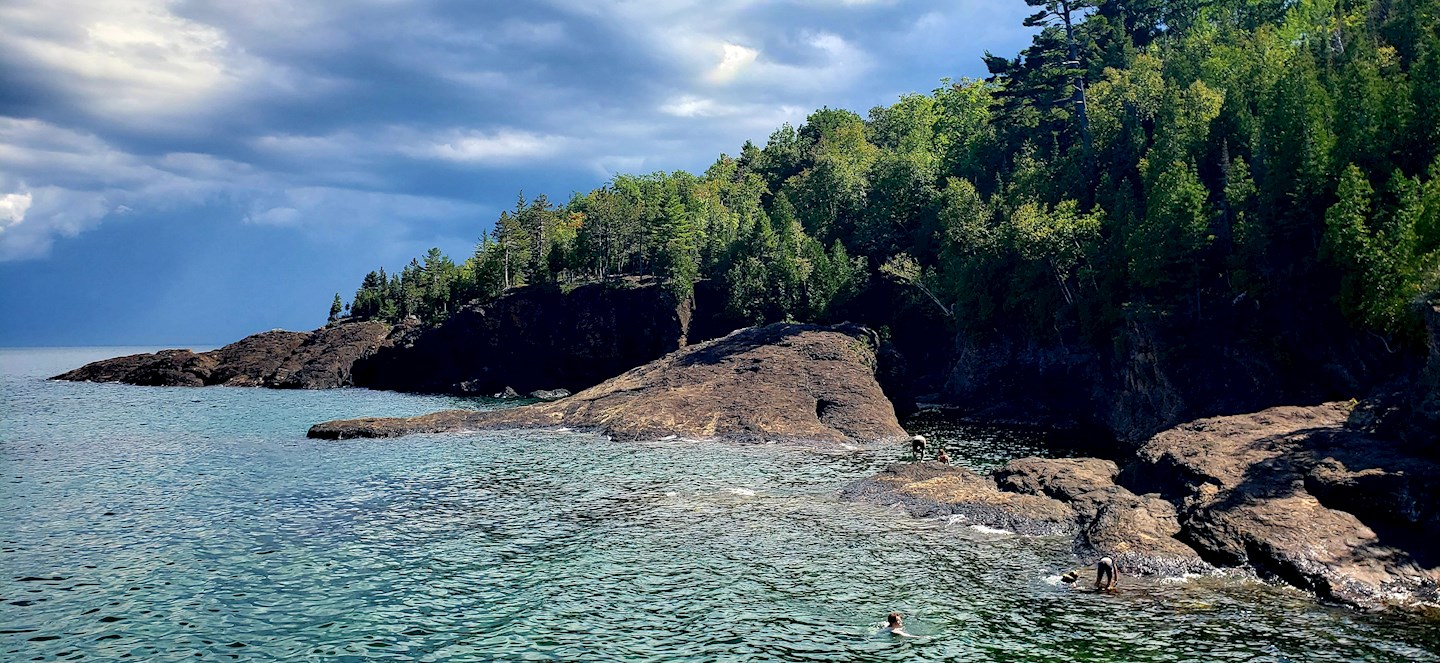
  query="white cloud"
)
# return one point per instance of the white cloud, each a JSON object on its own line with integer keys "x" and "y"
{"x": 12, "y": 209}
{"x": 734, "y": 59}
{"x": 132, "y": 61}
{"x": 480, "y": 147}
{"x": 50, "y": 212}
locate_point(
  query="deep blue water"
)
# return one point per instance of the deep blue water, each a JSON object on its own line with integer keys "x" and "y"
{"x": 176, "y": 524}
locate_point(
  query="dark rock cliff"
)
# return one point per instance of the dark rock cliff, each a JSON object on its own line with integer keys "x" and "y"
{"x": 1159, "y": 372}
{"x": 533, "y": 338}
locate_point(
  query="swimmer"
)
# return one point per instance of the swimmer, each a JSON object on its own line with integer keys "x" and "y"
{"x": 1106, "y": 575}
{"x": 917, "y": 447}
{"x": 1070, "y": 577}
{"x": 895, "y": 626}
{"x": 942, "y": 457}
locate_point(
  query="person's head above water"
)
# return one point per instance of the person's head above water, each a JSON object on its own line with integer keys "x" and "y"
{"x": 893, "y": 620}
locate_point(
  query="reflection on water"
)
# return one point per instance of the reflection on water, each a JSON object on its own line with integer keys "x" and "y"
{"x": 162, "y": 524}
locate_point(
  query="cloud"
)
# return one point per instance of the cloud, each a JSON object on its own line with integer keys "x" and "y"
{"x": 734, "y": 59}
{"x": 306, "y": 117}
{"x": 12, "y": 209}
{"x": 132, "y": 62}
{"x": 480, "y": 147}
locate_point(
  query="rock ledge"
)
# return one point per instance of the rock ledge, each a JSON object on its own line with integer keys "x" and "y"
{"x": 782, "y": 382}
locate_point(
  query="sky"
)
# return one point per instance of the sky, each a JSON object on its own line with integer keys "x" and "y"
{"x": 188, "y": 172}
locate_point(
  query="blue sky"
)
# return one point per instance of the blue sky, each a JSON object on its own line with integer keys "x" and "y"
{"x": 188, "y": 172}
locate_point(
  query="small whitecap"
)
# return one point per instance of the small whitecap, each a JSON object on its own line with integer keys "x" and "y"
{"x": 668, "y": 438}
{"x": 991, "y": 530}
{"x": 743, "y": 492}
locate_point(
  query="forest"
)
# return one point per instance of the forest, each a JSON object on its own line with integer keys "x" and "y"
{"x": 1141, "y": 158}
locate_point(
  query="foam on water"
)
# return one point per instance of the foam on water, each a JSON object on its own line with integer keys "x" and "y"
{"x": 170, "y": 524}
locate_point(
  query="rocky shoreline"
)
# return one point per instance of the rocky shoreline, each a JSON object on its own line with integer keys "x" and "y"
{"x": 1340, "y": 499}
{"x": 1294, "y": 494}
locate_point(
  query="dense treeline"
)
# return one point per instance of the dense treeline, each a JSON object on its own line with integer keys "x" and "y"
{"x": 1140, "y": 158}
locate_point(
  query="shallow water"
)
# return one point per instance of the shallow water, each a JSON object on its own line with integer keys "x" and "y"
{"x": 171, "y": 523}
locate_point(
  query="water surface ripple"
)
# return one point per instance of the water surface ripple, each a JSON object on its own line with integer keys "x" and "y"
{"x": 175, "y": 524}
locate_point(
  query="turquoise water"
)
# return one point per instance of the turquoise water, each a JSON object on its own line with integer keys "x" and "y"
{"x": 174, "y": 524}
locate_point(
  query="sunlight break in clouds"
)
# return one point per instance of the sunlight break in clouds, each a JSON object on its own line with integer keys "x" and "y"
{"x": 129, "y": 59}
{"x": 12, "y": 209}
{"x": 734, "y": 59}
{"x": 478, "y": 147}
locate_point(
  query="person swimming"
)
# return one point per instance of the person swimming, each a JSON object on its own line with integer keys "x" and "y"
{"x": 1106, "y": 576}
{"x": 895, "y": 626}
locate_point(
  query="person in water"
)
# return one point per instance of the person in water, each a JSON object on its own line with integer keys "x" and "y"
{"x": 1106, "y": 576}
{"x": 895, "y": 626}
{"x": 942, "y": 457}
{"x": 917, "y": 447}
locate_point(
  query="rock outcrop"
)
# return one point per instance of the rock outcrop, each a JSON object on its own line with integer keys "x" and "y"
{"x": 321, "y": 359}
{"x": 783, "y": 382}
{"x": 1294, "y": 493}
{"x": 534, "y": 338}
{"x": 1076, "y": 497}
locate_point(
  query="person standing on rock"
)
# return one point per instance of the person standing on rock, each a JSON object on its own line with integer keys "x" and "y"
{"x": 1106, "y": 576}
{"x": 942, "y": 457}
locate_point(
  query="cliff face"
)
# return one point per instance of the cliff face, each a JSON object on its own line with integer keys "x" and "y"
{"x": 1425, "y": 424}
{"x": 1157, "y": 373}
{"x": 782, "y": 382}
{"x": 535, "y": 338}
{"x": 531, "y": 338}
{"x": 321, "y": 359}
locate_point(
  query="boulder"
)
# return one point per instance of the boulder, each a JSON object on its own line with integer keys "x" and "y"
{"x": 783, "y": 382}
{"x": 550, "y": 394}
{"x": 1296, "y": 495}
